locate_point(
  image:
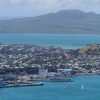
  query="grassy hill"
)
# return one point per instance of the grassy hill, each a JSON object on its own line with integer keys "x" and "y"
{"x": 91, "y": 49}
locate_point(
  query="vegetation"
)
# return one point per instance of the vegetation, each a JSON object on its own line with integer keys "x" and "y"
{"x": 66, "y": 21}
{"x": 91, "y": 50}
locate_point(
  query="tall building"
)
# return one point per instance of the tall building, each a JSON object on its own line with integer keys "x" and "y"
{"x": 43, "y": 72}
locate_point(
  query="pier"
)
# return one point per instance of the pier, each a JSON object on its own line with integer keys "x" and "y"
{"x": 53, "y": 80}
{"x": 23, "y": 85}
{"x": 19, "y": 84}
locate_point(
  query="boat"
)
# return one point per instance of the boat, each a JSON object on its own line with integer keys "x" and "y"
{"x": 66, "y": 87}
{"x": 82, "y": 87}
{"x": 53, "y": 79}
{"x": 60, "y": 80}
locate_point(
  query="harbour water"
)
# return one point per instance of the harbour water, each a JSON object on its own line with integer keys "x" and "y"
{"x": 69, "y": 41}
{"x": 56, "y": 91}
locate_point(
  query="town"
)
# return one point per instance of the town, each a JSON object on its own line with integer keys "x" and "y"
{"x": 36, "y": 61}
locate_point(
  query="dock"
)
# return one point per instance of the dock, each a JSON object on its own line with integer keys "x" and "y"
{"x": 53, "y": 80}
{"x": 23, "y": 85}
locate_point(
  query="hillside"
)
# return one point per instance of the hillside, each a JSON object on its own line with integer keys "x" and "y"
{"x": 93, "y": 49}
{"x": 65, "y": 21}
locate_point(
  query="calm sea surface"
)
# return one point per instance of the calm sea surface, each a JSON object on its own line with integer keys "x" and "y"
{"x": 54, "y": 91}
{"x": 58, "y": 40}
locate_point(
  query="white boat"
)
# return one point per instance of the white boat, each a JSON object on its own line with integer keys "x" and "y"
{"x": 66, "y": 87}
{"x": 82, "y": 87}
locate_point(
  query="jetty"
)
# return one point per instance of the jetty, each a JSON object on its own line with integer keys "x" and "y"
{"x": 53, "y": 80}
{"x": 19, "y": 84}
{"x": 23, "y": 85}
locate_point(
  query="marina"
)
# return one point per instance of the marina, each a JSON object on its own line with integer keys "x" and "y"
{"x": 19, "y": 84}
{"x": 57, "y": 90}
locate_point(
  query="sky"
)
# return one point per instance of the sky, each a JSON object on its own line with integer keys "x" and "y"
{"x": 28, "y": 8}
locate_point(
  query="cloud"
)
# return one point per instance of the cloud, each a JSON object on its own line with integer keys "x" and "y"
{"x": 5, "y": 3}
{"x": 37, "y": 4}
{"x": 51, "y": 4}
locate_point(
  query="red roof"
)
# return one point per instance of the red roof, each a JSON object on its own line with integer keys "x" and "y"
{"x": 67, "y": 55}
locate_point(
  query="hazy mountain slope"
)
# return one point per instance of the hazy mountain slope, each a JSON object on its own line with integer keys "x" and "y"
{"x": 66, "y": 21}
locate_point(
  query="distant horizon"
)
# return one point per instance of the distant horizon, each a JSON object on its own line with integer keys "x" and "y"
{"x": 11, "y": 17}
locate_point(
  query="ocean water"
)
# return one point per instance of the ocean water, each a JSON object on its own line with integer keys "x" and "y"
{"x": 69, "y": 41}
{"x": 56, "y": 90}
{"x": 50, "y": 90}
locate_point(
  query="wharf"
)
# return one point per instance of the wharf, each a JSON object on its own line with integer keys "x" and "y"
{"x": 23, "y": 85}
{"x": 53, "y": 80}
